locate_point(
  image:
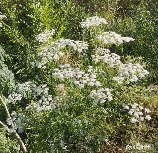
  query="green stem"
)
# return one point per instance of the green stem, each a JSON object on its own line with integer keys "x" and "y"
{"x": 122, "y": 51}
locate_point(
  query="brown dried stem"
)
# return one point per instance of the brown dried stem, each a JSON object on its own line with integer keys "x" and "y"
{"x": 12, "y": 125}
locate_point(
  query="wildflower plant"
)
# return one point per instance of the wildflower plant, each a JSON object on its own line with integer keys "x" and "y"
{"x": 138, "y": 113}
{"x": 72, "y": 105}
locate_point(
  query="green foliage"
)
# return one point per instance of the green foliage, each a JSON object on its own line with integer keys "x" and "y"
{"x": 6, "y": 76}
{"x": 141, "y": 24}
{"x": 7, "y": 145}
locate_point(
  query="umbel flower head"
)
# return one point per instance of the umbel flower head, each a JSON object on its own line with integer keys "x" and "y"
{"x": 137, "y": 112}
{"x": 75, "y": 45}
{"x": 130, "y": 73}
{"x": 45, "y": 35}
{"x": 113, "y": 38}
{"x": 78, "y": 77}
{"x": 106, "y": 56}
{"x": 93, "y": 21}
{"x": 101, "y": 95}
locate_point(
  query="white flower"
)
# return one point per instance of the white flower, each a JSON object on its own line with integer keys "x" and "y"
{"x": 106, "y": 56}
{"x": 45, "y": 103}
{"x": 60, "y": 53}
{"x": 12, "y": 98}
{"x": 84, "y": 81}
{"x": 110, "y": 98}
{"x": 61, "y": 76}
{"x": 97, "y": 83}
{"x": 134, "y": 78}
{"x": 56, "y": 57}
{"x": 113, "y": 38}
{"x": 9, "y": 121}
{"x": 101, "y": 95}
{"x": 126, "y": 107}
{"x": 136, "y": 115}
{"x": 147, "y": 110}
{"x": 75, "y": 45}
{"x": 91, "y": 83}
{"x": 47, "y": 54}
{"x": 119, "y": 79}
{"x": 140, "y": 107}
{"x": 134, "y": 105}
{"x": 45, "y": 35}
{"x": 127, "y": 39}
{"x": 131, "y": 111}
{"x": 140, "y": 113}
{"x": 17, "y": 119}
{"x": 148, "y": 117}
{"x": 81, "y": 86}
{"x": 76, "y": 75}
{"x": 133, "y": 120}
{"x": 129, "y": 72}
{"x": 77, "y": 82}
{"x": 102, "y": 101}
{"x": 93, "y": 21}
{"x": 142, "y": 118}
{"x": 93, "y": 76}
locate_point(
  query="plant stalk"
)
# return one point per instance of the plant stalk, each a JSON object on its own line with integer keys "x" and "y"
{"x": 12, "y": 125}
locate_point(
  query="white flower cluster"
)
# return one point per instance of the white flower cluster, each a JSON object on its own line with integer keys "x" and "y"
{"x": 106, "y": 56}
{"x": 25, "y": 86}
{"x": 101, "y": 95}
{"x": 113, "y": 38}
{"x": 38, "y": 93}
{"x": 41, "y": 90}
{"x": 48, "y": 54}
{"x": 75, "y": 45}
{"x": 130, "y": 73}
{"x": 138, "y": 113}
{"x": 24, "y": 90}
{"x": 45, "y": 103}
{"x": 12, "y": 98}
{"x": 18, "y": 120}
{"x": 79, "y": 78}
{"x": 52, "y": 51}
{"x": 31, "y": 88}
{"x": 45, "y": 35}
{"x": 93, "y": 21}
